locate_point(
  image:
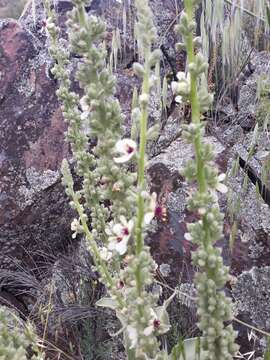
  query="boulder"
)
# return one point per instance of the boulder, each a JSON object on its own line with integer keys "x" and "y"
{"x": 34, "y": 213}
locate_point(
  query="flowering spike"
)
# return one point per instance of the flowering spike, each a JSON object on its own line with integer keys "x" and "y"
{"x": 214, "y": 309}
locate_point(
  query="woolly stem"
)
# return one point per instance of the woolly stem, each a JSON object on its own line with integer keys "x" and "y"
{"x": 194, "y": 101}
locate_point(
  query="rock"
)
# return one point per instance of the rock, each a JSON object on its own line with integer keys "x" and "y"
{"x": 167, "y": 236}
{"x": 251, "y": 213}
{"x": 232, "y": 134}
{"x": 32, "y": 148}
{"x": 252, "y": 295}
{"x": 11, "y": 8}
{"x": 244, "y": 92}
{"x": 252, "y": 298}
{"x": 248, "y": 101}
{"x": 170, "y": 130}
{"x": 34, "y": 213}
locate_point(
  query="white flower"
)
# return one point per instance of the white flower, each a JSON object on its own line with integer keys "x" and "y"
{"x": 154, "y": 209}
{"x": 151, "y": 328}
{"x": 119, "y": 235}
{"x": 76, "y": 227}
{"x": 83, "y": 102}
{"x": 148, "y": 331}
{"x": 188, "y": 236}
{"x": 174, "y": 87}
{"x": 221, "y": 187}
{"x": 47, "y": 24}
{"x": 156, "y": 323}
{"x": 159, "y": 319}
{"x": 182, "y": 86}
{"x": 119, "y": 245}
{"x": 126, "y": 148}
{"x": 85, "y": 108}
{"x": 105, "y": 254}
{"x": 150, "y": 214}
{"x": 84, "y": 115}
{"x": 181, "y": 76}
{"x": 178, "y": 99}
{"x": 132, "y": 335}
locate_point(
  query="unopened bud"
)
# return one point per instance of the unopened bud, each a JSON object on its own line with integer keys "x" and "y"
{"x": 138, "y": 69}
{"x": 144, "y": 99}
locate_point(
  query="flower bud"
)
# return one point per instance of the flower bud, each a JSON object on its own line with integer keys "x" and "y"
{"x": 144, "y": 99}
{"x": 180, "y": 46}
{"x": 155, "y": 57}
{"x": 138, "y": 69}
{"x": 183, "y": 88}
{"x": 197, "y": 42}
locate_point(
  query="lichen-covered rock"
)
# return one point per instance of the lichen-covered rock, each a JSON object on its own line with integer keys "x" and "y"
{"x": 241, "y": 105}
{"x": 167, "y": 236}
{"x": 32, "y": 148}
{"x": 248, "y": 95}
{"x": 34, "y": 213}
{"x": 252, "y": 295}
{"x": 11, "y": 8}
{"x": 250, "y": 211}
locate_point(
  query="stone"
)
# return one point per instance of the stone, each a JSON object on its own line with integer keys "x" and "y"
{"x": 32, "y": 128}
{"x": 32, "y": 148}
{"x": 252, "y": 295}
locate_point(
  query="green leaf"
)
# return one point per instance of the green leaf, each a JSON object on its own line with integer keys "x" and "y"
{"x": 131, "y": 354}
{"x": 162, "y": 315}
{"x": 245, "y": 183}
{"x": 233, "y": 234}
{"x": 267, "y": 352}
{"x": 189, "y": 349}
{"x": 235, "y": 166}
{"x": 178, "y": 350}
{"x": 107, "y": 302}
{"x": 192, "y": 348}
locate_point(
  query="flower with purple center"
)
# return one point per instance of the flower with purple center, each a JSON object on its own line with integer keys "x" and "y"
{"x": 154, "y": 210}
{"x": 126, "y": 149}
{"x": 119, "y": 235}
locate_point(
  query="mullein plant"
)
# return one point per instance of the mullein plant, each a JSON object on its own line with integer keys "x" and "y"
{"x": 113, "y": 205}
{"x": 17, "y": 340}
{"x": 214, "y": 308}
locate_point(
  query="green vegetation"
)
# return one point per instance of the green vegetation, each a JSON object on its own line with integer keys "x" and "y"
{"x": 17, "y": 342}
{"x": 113, "y": 203}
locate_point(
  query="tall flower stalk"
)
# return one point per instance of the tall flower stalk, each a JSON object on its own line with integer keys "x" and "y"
{"x": 113, "y": 205}
{"x": 113, "y": 200}
{"x": 214, "y": 308}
